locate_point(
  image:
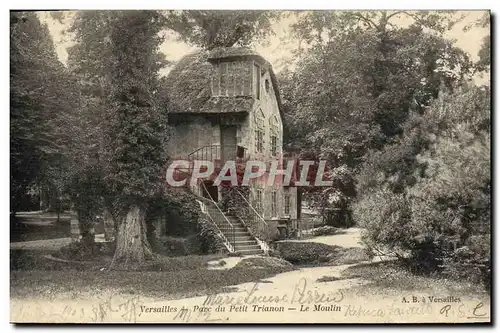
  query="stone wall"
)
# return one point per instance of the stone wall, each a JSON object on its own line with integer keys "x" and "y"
{"x": 192, "y": 135}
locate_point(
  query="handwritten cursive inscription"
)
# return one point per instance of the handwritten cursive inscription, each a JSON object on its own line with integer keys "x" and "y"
{"x": 128, "y": 309}
{"x": 301, "y": 294}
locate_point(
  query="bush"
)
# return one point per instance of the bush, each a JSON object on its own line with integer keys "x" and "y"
{"x": 263, "y": 262}
{"x": 310, "y": 253}
{"x": 426, "y": 198}
{"x": 83, "y": 251}
{"x": 188, "y": 230}
{"x": 324, "y": 231}
{"x": 351, "y": 255}
{"x": 178, "y": 246}
{"x": 180, "y": 211}
{"x": 305, "y": 252}
{"x": 232, "y": 202}
{"x": 208, "y": 237}
{"x": 471, "y": 262}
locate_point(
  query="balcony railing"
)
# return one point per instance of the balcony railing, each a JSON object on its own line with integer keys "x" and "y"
{"x": 218, "y": 152}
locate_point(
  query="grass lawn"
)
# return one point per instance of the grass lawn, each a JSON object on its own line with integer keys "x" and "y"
{"x": 33, "y": 276}
{"x": 389, "y": 278}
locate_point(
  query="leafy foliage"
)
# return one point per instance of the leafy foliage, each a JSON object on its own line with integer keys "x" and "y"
{"x": 357, "y": 81}
{"x": 304, "y": 252}
{"x": 210, "y": 29}
{"x": 42, "y": 97}
{"x": 136, "y": 126}
{"x": 324, "y": 231}
{"x": 428, "y": 196}
{"x": 210, "y": 241}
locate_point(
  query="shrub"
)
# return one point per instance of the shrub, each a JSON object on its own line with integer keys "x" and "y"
{"x": 324, "y": 231}
{"x": 181, "y": 212}
{"x": 351, "y": 255}
{"x": 305, "y": 252}
{"x": 178, "y": 246}
{"x": 471, "y": 262}
{"x": 84, "y": 251}
{"x": 263, "y": 262}
{"x": 426, "y": 198}
{"x": 233, "y": 203}
{"x": 188, "y": 230}
{"x": 208, "y": 236}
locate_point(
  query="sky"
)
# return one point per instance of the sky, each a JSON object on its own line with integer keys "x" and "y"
{"x": 277, "y": 46}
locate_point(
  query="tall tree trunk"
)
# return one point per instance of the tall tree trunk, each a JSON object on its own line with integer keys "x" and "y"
{"x": 132, "y": 246}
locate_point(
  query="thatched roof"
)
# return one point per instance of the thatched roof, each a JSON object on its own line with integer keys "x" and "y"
{"x": 234, "y": 53}
{"x": 189, "y": 87}
{"x": 188, "y": 83}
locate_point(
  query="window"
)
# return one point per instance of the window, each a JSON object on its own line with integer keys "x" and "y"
{"x": 259, "y": 131}
{"x": 267, "y": 85}
{"x": 259, "y": 140}
{"x": 256, "y": 80}
{"x": 258, "y": 201}
{"x": 232, "y": 79}
{"x": 286, "y": 201}
{"x": 273, "y": 124}
{"x": 274, "y": 202}
{"x": 274, "y": 145}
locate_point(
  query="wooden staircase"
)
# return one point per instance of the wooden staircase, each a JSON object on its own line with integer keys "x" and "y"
{"x": 241, "y": 239}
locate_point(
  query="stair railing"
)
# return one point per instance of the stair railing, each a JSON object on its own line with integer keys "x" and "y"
{"x": 256, "y": 224}
{"x": 227, "y": 228}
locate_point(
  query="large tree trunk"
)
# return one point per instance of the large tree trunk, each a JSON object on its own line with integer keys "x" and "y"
{"x": 132, "y": 246}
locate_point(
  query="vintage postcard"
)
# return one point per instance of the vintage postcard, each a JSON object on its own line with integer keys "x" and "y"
{"x": 250, "y": 166}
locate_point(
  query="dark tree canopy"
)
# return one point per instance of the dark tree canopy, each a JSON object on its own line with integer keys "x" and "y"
{"x": 359, "y": 79}
{"x": 210, "y": 29}
{"x": 42, "y": 96}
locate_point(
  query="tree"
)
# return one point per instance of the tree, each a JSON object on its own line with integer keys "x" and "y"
{"x": 403, "y": 67}
{"x": 136, "y": 130}
{"x": 484, "y": 62}
{"x": 210, "y": 29}
{"x": 42, "y": 96}
{"x": 89, "y": 60}
{"x": 366, "y": 75}
{"x": 123, "y": 128}
{"x": 429, "y": 194}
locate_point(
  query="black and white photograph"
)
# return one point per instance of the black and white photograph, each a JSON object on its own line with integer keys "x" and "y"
{"x": 179, "y": 166}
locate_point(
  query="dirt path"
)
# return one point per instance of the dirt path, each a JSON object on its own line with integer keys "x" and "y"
{"x": 348, "y": 238}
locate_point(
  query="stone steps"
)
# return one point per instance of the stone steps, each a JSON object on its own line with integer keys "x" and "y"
{"x": 250, "y": 252}
{"x": 244, "y": 243}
